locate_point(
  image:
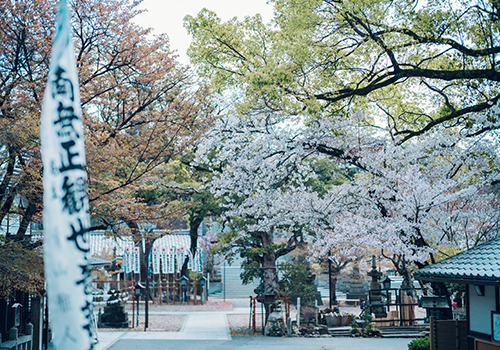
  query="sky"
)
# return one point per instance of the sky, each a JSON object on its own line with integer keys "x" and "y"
{"x": 166, "y": 16}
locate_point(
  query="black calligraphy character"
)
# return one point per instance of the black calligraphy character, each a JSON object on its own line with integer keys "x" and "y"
{"x": 62, "y": 87}
{"x": 63, "y": 301}
{"x": 66, "y": 117}
{"x": 74, "y": 195}
{"x": 88, "y": 316}
{"x": 67, "y": 335}
{"x": 67, "y": 145}
{"x": 79, "y": 237}
{"x": 85, "y": 273}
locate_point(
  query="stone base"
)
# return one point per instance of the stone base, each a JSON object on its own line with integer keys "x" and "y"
{"x": 114, "y": 316}
{"x": 114, "y": 325}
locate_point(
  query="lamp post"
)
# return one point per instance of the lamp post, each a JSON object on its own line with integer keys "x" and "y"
{"x": 146, "y": 315}
{"x": 183, "y": 280}
{"x": 262, "y": 298}
{"x": 386, "y": 282}
{"x": 330, "y": 291}
{"x": 138, "y": 293}
{"x": 203, "y": 280}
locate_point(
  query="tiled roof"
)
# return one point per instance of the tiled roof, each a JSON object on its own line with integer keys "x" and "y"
{"x": 98, "y": 262}
{"x": 479, "y": 264}
{"x": 99, "y": 242}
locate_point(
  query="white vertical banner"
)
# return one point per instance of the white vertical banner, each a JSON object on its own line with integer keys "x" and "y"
{"x": 179, "y": 259}
{"x": 128, "y": 252}
{"x": 156, "y": 261}
{"x": 65, "y": 215}
{"x": 197, "y": 261}
{"x": 171, "y": 260}
{"x": 163, "y": 259}
{"x": 136, "y": 265}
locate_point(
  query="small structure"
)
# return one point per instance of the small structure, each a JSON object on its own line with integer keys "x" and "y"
{"x": 356, "y": 287}
{"x": 275, "y": 326}
{"x": 114, "y": 315}
{"x": 434, "y": 305}
{"x": 479, "y": 269}
{"x": 375, "y": 304}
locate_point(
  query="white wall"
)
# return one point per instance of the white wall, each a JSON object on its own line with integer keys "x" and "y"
{"x": 480, "y": 309}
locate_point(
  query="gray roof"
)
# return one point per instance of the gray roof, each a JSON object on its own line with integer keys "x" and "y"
{"x": 478, "y": 265}
{"x": 97, "y": 262}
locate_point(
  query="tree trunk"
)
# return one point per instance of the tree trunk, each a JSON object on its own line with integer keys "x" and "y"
{"x": 144, "y": 257}
{"x": 194, "y": 224}
{"x": 144, "y": 260}
{"x": 333, "y": 294}
{"x": 269, "y": 273}
{"x": 28, "y": 215}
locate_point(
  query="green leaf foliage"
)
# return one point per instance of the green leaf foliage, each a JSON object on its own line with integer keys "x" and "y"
{"x": 420, "y": 344}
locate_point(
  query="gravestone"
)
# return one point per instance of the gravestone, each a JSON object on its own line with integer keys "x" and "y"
{"x": 356, "y": 286}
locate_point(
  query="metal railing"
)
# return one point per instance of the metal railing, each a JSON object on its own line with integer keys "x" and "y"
{"x": 400, "y": 300}
{"x": 18, "y": 341}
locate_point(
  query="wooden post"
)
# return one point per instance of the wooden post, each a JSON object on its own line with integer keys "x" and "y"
{"x": 432, "y": 328}
{"x": 169, "y": 287}
{"x": 298, "y": 311}
{"x": 37, "y": 320}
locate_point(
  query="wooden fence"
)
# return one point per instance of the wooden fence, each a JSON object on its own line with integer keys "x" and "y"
{"x": 448, "y": 334}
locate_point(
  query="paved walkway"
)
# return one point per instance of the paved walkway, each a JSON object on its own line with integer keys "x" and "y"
{"x": 201, "y": 325}
{"x": 210, "y": 329}
{"x": 261, "y": 343}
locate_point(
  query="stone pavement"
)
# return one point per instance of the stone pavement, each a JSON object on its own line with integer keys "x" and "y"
{"x": 197, "y": 326}
{"x": 262, "y": 343}
{"x": 210, "y": 329}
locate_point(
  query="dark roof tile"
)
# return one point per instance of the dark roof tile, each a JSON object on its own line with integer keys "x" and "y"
{"x": 479, "y": 263}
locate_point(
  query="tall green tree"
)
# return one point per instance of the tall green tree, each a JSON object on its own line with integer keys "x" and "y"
{"x": 405, "y": 93}
{"x": 389, "y": 56}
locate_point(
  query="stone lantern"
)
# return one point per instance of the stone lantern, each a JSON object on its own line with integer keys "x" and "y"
{"x": 375, "y": 304}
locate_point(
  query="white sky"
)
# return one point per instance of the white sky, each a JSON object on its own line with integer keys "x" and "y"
{"x": 166, "y": 16}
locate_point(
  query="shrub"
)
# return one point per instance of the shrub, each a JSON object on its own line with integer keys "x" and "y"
{"x": 366, "y": 316}
{"x": 297, "y": 281}
{"x": 420, "y": 344}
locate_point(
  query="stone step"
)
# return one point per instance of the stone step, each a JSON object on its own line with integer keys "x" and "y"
{"x": 410, "y": 329}
{"x": 387, "y": 332}
{"x": 403, "y": 335}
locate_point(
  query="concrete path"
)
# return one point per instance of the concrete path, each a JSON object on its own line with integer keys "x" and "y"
{"x": 197, "y": 326}
{"x": 210, "y": 330}
{"x": 205, "y": 326}
{"x": 263, "y": 343}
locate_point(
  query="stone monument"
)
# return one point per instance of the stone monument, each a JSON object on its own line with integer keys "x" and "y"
{"x": 356, "y": 286}
{"x": 275, "y": 326}
{"x": 375, "y": 304}
{"x": 114, "y": 315}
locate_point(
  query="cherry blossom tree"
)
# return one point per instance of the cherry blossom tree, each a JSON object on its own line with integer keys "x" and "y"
{"x": 399, "y": 201}
{"x": 383, "y": 89}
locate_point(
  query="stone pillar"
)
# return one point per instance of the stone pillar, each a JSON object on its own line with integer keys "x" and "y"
{"x": 298, "y": 312}
{"x": 37, "y": 319}
{"x": 28, "y": 330}
{"x": 356, "y": 286}
{"x": 13, "y": 333}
